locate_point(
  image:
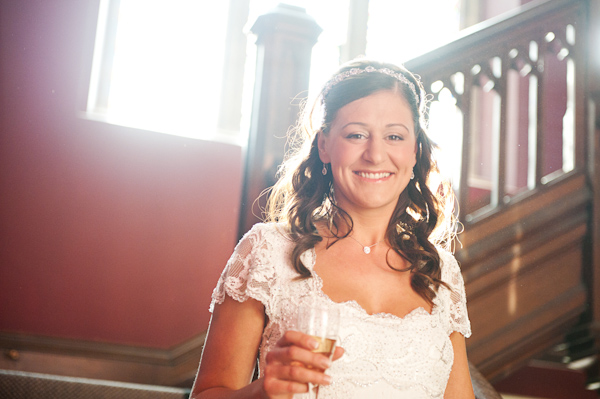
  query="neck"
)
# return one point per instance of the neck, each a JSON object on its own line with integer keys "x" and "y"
{"x": 369, "y": 235}
{"x": 369, "y": 228}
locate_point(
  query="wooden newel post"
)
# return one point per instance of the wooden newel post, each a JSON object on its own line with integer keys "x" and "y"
{"x": 593, "y": 86}
{"x": 285, "y": 38}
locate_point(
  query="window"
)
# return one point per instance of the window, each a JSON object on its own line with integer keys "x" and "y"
{"x": 401, "y": 30}
{"x": 158, "y": 65}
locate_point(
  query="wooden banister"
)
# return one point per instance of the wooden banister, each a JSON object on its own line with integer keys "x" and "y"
{"x": 518, "y": 83}
{"x": 519, "y": 88}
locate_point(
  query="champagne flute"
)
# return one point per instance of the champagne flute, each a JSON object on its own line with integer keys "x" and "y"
{"x": 321, "y": 321}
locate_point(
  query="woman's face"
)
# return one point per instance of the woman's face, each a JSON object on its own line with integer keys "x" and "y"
{"x": 371, "y": 146}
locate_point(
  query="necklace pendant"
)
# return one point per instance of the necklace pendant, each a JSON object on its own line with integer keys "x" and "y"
{"x": 367, "y": 250}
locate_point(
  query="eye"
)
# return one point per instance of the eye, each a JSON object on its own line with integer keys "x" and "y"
{"x": 356, "y": 135}
{"x": 395, "y": 137}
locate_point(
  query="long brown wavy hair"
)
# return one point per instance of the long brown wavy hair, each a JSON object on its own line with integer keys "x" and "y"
{"x": 423, "y": 217}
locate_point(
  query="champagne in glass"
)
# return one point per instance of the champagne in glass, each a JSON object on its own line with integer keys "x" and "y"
{"x": 326, "y": 345}
{"x": 320, "y": 320}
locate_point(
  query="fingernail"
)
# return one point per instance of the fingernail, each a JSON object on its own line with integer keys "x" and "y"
{"x": 325, "y": 363}
{"x": 327, "y": 379}
{"x": 313, "y": 344}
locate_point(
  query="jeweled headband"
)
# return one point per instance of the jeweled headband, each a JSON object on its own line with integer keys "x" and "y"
{"x": 357, "y": 71}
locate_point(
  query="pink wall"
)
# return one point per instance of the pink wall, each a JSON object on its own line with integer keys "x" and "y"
{"x": 492, "y": 8}
{"x": 106, "y": 233}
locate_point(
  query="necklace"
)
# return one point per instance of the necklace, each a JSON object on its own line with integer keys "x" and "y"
{"x": 366, "y": 248}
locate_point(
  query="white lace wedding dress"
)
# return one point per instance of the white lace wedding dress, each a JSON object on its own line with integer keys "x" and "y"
{"x": 385, "y": 356}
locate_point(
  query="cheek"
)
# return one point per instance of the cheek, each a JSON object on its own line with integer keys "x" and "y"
{"x": 405, "y": 157}
{"x": 340, "y": 154}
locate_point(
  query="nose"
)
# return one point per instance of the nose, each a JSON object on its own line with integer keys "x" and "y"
{"x": 374, "y": 150}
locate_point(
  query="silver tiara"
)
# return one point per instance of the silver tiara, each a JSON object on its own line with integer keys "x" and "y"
{"x": 357, "y": 71}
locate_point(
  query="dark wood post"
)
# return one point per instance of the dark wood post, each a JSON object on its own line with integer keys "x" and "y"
{"x": 593, "y": 85}
{"x": 285, "y": 37}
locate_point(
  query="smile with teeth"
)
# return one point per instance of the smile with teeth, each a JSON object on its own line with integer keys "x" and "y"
{"x": 373, "y": 176}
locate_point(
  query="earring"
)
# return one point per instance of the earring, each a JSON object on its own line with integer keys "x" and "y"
{"x": 324, "y": 170}
{"x": 412, "y": 176}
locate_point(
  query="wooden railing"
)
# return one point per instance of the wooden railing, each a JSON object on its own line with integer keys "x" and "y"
{"x": 517, "y": 83}
{"x": 516, "y": 88}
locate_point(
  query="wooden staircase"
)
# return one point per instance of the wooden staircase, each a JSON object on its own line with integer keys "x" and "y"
{"x": 527, "y": 91}
{"x": 527, "y": 96}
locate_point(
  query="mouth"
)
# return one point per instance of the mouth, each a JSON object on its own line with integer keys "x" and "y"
{"x": 373, "y": 175}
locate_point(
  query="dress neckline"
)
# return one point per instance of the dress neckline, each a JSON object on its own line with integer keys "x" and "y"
{"x": 416, "y": 312}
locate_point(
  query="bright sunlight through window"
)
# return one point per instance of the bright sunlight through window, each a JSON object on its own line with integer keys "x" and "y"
{"x": 401, "y": 30}
{"x": 166, "y": 72}
{"x": 166, "y": 68}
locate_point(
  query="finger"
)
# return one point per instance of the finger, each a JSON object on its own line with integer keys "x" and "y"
{"x": 297, "y": 338}
{"x": 273, "y": 386}
{"x": 297, "y": 372}
{"x": 339, "y": 352}
{"x": 296, "y": 355}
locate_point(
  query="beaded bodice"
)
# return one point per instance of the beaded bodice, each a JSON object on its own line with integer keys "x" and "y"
{"x": 385, "y": 355}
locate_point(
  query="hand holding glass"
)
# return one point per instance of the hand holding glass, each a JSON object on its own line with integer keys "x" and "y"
{"x": 320, "y": 321}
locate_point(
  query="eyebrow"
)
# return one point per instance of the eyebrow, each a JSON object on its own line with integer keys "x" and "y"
{"x": 366, "y": 125}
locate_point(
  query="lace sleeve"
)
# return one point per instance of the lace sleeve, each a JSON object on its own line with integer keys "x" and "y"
{"x": 248, "y": 273}
{"x": 451, "y": 274}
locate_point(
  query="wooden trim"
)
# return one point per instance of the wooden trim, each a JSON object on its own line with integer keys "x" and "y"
{"x": 501, "y": 150}
{"x": 525, "y": 218}
{"x": 72, "y": 347}
{"x": 477, "y": 38}
{"x": 594, "y": 171}
{"x": 494, "y": 272}
{"x": 175, "y": 366}
{"x": 571, "y": 189}
{"x": 467, "y": 136}
{"x": 557, "y": 317}
{"x": 539, "y": 122}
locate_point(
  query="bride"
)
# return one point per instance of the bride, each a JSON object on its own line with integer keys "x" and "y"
{"x": 360, "y": 220}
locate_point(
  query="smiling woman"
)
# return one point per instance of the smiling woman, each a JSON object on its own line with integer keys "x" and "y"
{"x": 362, "y": 176}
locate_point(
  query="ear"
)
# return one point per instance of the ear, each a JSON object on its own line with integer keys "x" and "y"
{"x": 322, "y": 143}
{"x": 417, "y": 152}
